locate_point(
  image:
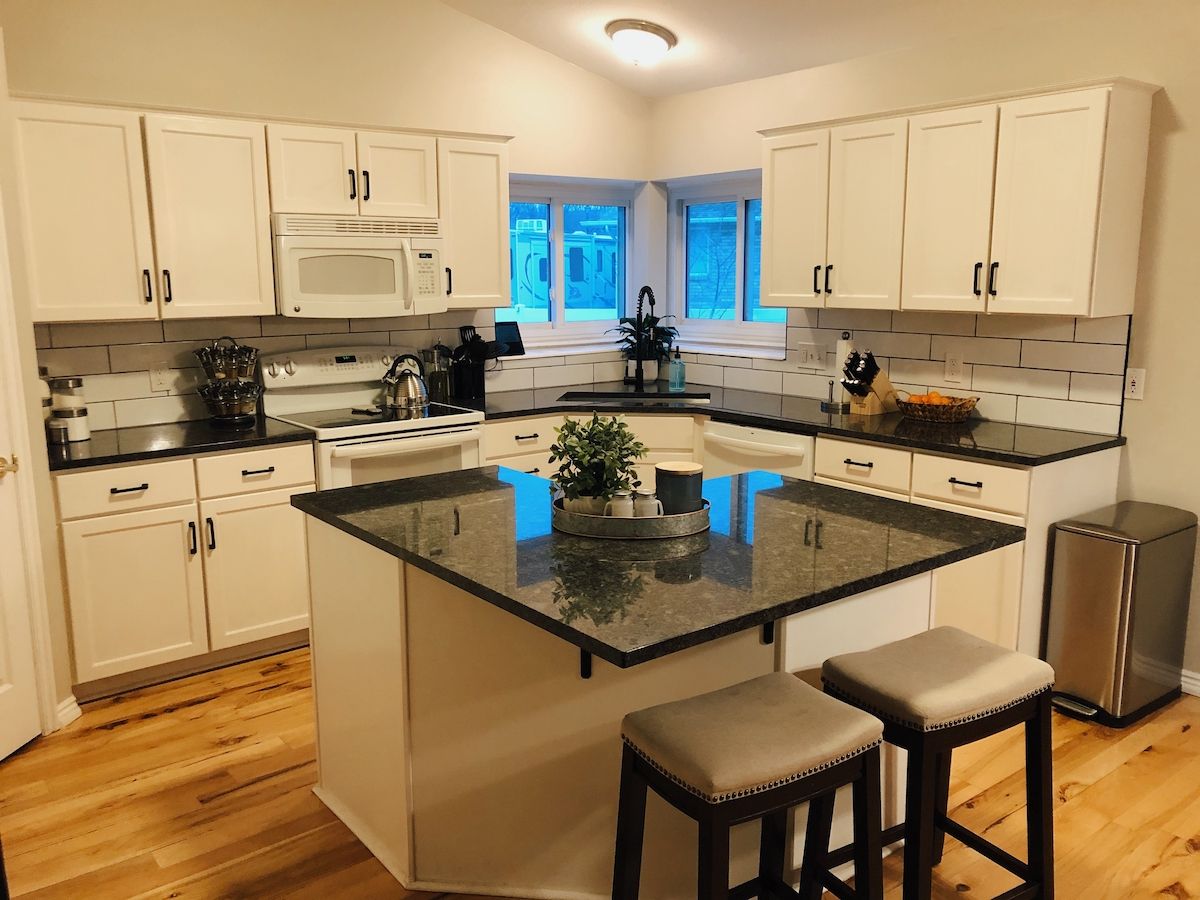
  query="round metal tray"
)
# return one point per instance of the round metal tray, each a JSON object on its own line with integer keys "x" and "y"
{"x": 621, "y": 528}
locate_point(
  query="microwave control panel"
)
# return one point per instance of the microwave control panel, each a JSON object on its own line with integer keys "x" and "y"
{"x": 427, "y": 264}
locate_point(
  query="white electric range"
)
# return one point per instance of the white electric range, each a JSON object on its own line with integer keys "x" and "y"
{"x": 336, "y": 394}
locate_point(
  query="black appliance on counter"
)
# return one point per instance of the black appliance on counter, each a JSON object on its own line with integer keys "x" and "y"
{"x": 468, "y": 361}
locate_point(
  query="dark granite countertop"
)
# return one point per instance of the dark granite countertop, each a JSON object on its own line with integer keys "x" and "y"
{"x": 777, "y": 546}
{"x": 121, "y": 445}
{"x": 1024, "y": 445}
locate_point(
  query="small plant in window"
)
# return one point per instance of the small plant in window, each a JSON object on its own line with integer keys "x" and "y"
{"x": 595, "y": 461}
{"x": 655, "y": 344}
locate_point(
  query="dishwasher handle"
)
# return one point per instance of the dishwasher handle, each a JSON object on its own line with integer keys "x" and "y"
{"x": 754, "y": 446}
{"x": 406, "y": 445}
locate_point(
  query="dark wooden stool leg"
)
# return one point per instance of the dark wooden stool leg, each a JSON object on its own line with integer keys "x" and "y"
{"x": 918, "y": 822}
{"x": 816, "y": 846}
{"x": 631, "y": 823}
{"x": 1039, "y": 788}
{"x": 712, "y": 874}
{"x": 868, "y": 841}
{"x": 771, "y": 848}
{"x": 941, "y": 802}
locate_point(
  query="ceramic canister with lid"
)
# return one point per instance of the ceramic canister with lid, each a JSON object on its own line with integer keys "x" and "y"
{"x": 77, "y": 423}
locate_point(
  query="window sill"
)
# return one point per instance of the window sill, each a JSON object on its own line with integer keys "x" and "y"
{"x": 572, "y": 348}
{"x": 724, "y": 348}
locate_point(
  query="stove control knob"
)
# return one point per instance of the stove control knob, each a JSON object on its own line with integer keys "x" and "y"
{"x": 289, "y": 367}
{"x": 273, "y": 370}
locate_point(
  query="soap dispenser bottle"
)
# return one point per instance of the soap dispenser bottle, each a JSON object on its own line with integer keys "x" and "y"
{"x": 678, "y": 374}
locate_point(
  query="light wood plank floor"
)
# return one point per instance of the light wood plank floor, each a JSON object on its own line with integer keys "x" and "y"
{"x": 201, "y": 788}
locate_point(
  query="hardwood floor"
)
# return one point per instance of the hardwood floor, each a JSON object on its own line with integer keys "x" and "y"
{"x": 201, "y": 788}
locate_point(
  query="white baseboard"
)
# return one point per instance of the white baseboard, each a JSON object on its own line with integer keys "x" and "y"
{"x": 1191, "y": 682}
{"x": 67, "y": 712}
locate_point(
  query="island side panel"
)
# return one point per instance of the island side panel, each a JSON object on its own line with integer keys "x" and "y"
{"x": 359, "y": 683}
{"x": 516, "y": 759}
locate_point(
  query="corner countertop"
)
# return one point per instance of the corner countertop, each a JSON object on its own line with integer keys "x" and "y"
{"x": 144, "y": 442}
{"x": 487, "y": 531}
{"x": 1022, "y": 445}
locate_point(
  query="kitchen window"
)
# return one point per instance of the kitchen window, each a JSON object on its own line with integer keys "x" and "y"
{"x": 569, "y": 264}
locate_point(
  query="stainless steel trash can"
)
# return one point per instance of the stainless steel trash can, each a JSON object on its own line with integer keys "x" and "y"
{"x": 1120, "y": 582}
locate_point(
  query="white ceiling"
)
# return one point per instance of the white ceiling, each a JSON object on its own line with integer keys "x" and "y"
{"x": 725, "y": 41}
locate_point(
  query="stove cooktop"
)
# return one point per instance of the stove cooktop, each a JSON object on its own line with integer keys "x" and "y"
{"x": 365, "y": 420}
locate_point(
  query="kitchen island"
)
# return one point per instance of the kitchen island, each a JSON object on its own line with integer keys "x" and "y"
{"x": 471, "y": 667}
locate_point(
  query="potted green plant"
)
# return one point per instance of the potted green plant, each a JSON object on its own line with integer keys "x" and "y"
{"x": 654, "y": 346}
{"x": 595, "y": 460}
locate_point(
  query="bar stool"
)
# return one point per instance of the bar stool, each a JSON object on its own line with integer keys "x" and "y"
{"x": 944, "y": 689}
{"x": 753, "y": 751}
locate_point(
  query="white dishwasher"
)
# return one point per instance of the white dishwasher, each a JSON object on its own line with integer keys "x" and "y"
{"x": 732, "y": 449}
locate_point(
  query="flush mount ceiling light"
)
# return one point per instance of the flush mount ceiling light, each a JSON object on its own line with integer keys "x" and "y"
{"x": 640, "y": 42}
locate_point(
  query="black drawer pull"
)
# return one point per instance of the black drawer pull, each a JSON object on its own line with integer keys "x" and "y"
{"x": 828, "y": 289}
{"x": 353, "y": 185}
{"x": 992, "y": 278}
{"x": 212, "y": 534}
{"x": 192, "y": 539}
{"x": 816, "y": 279}
{"x": 971, "y": 484}
{"x": 975, "y": 288}
{"x": 131, "y": 490}
{"x": 851, "y": 462}
{"x": 168, "y": 294}
{"x": 246, "y": 473}
{"x": 366, "y": 185}
{"x": 533, "y": 471}
{"x": 526, "y": 437}
{"x": 149, "y": 290}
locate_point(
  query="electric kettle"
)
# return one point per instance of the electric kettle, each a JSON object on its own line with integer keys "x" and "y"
{"x": 404, "y": 388}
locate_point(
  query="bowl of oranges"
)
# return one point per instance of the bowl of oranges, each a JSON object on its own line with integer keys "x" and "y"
{"x": 935, "y": 407}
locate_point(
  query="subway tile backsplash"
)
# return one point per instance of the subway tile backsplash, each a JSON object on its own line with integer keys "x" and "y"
{"x": 1036, "y": 370}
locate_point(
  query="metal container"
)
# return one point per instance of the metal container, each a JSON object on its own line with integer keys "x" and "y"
{"x": 621, "y": 528}
{"x": 1120, "y": 585}
{"x": 404, "y": 388}
{"x": 230, "y": 362}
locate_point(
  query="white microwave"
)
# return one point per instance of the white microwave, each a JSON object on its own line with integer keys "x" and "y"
{"x": 334, "y": 267}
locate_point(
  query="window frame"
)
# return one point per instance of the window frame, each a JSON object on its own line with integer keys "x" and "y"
{"x": 559, "y": 333}
{"x": 716, "y": 335}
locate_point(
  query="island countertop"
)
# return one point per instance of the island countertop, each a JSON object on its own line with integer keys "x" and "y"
{"x": 777, "y": 546}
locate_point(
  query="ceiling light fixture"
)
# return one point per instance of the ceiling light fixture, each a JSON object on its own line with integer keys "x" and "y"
{"x": 640, "y": 42}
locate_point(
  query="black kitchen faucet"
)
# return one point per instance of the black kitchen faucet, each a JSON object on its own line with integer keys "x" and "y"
{"x": 639, "y": 324}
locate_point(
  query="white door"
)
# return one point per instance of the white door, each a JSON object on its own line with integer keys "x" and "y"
{"x": 137, "y": 590}
{"x": 795, "y": 198}
{"x": 473, "y": 187}
{"x": 212, "y": 228}
{"x": 85, "y": 213}
{"x": 866, "y": 214}
{"x": 255, "y": 566}
{"x": 1048, "y": 165}
{"x": 313, "y": 170}
{"x": 948, "y": 209}
{"x": 399, "y": 175}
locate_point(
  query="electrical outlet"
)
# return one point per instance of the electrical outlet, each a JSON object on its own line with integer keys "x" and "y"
{"x": 160, "y": 379}
{"x": 1135, "y": 384}
{"x": 811, "y": 356}
{"x": 954, "y": 365}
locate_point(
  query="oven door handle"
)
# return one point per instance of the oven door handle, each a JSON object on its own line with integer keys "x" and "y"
{"x": 400, "y": 446}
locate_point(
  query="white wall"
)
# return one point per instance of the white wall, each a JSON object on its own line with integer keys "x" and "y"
{"x": 715, "y": 131}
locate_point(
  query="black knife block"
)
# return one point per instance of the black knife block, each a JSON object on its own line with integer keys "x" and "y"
{"x": 466, "y": 380}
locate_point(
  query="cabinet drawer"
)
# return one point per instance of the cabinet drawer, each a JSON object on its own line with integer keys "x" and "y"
{"x": 969, "y": 483}
{"x": 506, "y": 438}
{"x": 255, "y": 470}
{"x": 531, "y": 463}
{"x": 867, "y": 464}
{"x": 126, "y": 488}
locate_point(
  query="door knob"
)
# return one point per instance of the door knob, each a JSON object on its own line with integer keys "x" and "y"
{"x": 6, "y": 466}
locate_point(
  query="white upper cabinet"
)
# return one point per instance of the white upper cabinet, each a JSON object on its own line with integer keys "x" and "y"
{"x": 313, "y": 170}
{"x": 399, "y": 175}
{"x": 85, "y": 215}
{"x": 948, "y": 209}
{"x": 473, "y": 184}
{"x": 866, "y": 214}
{"x": 795, "y": 197}
{"x": 208, "y": 187}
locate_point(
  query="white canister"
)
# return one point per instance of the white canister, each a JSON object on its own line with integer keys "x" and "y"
{"x": 621, "y": 505}
{"x": 646, "y": 505}
{"x": 67, "y": 392}
{"x": 77, "y": 423}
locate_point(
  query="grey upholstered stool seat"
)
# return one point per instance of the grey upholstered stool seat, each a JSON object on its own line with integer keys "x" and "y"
{"x": 749, "y": 737}
{"x": 936, "y": 679}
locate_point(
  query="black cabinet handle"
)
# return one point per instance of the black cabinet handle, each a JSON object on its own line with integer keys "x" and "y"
{"x": 525, "y": 437}
{"x": 149, "y": 288}
{"x": 828, "y": 289}
{"x": 817, "y": 535}
{"x": 816, "y": 279}
{"x": 533, "y": 471}
{"x": 970, "y": 484}
{"x": 975, "y": 289}
{"x": 850, "y": 462}
{"x": 449, "y": 281}
{"x": 807, "y": 528}
{"x": 192, "y": 539}
{"x": 144, "y": 486}
{"x": 992, "y": 278}
{"x": 246, "y": 473}
{"x": 167, "y": 295}
{"x": 353, "y": 185}
{"x": 212, "y": 533}
{"x": 366, "y": 185}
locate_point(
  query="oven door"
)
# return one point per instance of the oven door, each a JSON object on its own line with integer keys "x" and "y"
{"x": 343, "y": 277}
{"x": 368, "y": 460}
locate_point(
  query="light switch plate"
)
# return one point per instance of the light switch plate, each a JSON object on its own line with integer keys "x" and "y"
{"x": 1135, "y": 384}
{"x": 954, "y": 365}
{"x": 160, "y": 379}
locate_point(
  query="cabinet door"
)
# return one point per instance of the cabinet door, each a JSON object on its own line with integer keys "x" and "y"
{"x": 795, "y": 197}
{"x": 85, "y": 213}
{"x": 948, "y": 209}
{"x": 399, "y": 175}
{"x": 866, "y": 214}
{"x": 136, "y": 590}
{"x": 1048, "y": 165}
{"x": 255, "y": 566}
{"x": 212, "y": 229}
{"x": 473, "y": 186}
{"x": 313, "y": 170}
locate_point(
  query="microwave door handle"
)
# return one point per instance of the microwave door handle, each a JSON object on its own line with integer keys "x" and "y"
{"x": 410, "y": 268}
{"x": 405, "y": 445}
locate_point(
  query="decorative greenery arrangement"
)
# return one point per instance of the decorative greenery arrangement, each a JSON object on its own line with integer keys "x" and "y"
{"x": 656, "y": 341}
{"x": 595, "y": 458}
